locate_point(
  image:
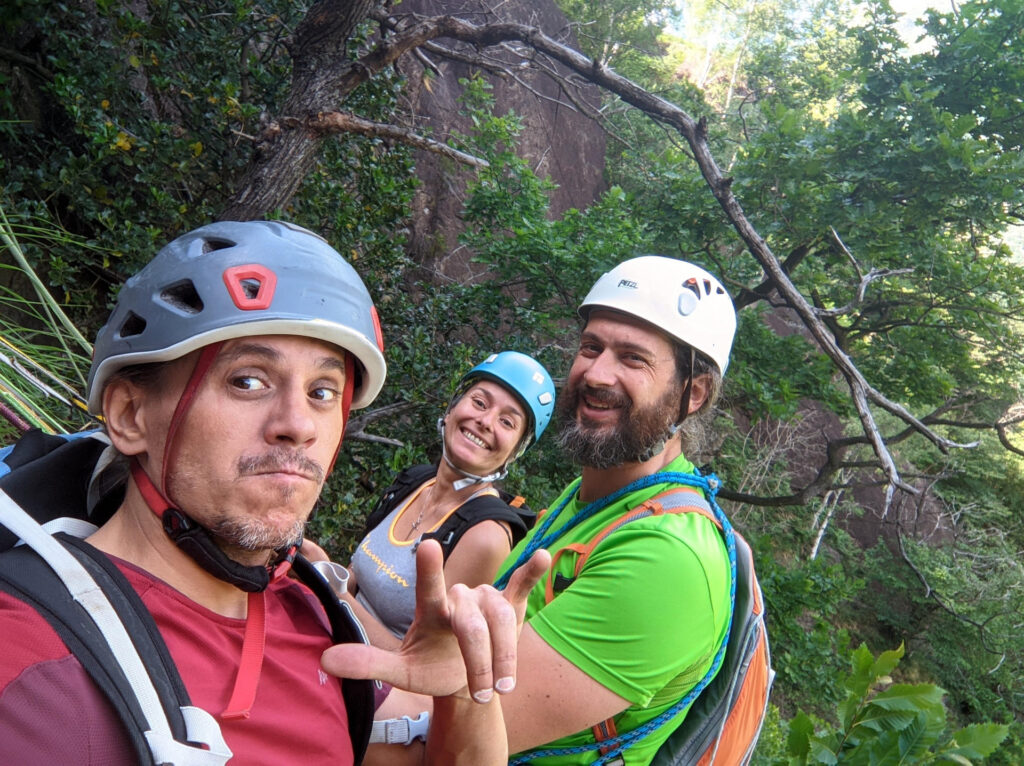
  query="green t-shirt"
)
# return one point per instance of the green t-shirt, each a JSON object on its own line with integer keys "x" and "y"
{"x": 646, "y": 615}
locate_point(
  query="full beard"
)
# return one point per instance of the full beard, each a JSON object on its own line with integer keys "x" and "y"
{"x": 638, "y": 434}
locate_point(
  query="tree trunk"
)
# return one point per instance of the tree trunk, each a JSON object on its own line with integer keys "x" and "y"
{"x": 288, "y": 148}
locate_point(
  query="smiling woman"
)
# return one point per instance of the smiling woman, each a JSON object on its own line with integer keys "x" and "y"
{"x": 502, "y": 406}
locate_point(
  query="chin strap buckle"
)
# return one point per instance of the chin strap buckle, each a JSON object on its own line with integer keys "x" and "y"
{"x": 400, "y": 731}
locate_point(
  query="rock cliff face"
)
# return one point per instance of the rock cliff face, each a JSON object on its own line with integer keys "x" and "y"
{"x": 559, "y": 142}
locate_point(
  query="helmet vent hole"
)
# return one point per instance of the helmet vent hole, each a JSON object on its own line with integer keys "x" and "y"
{"x": 183, "y": 296}
{"x": 691, "y": 285}
{"x": 132, "y": 325}
{"x": 707, "y": 287}
{"x": 251, "y": 287}
{"x": 210, "y": 245}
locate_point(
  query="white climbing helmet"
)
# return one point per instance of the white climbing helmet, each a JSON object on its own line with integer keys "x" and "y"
{"x": 679, "y": 298}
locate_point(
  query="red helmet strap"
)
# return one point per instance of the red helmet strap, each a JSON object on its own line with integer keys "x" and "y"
{"x": 346, "y": 404}
{"x": 206, "y": 358}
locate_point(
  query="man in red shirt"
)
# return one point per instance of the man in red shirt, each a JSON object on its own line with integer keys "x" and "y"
{"x": 225, "y": 377}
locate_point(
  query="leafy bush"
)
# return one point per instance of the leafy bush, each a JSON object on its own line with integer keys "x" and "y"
{"x": 881, "y": 722}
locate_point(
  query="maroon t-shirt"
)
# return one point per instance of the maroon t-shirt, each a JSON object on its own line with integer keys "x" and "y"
{"x": 51, "y": 713}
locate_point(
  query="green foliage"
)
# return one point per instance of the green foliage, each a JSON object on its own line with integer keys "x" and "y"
{"x": 622, "y": 34}
{"x": 43, "y": 357}
{"x": 771, "y": 744}
{"x": 544, "y": 266}
{"x": 138, "y": 125}
{"x": 906, "y": 183}
{"x": 840, "y": 132}
{"x": 802, "y": 603}
{"x": 133, "y": 126}
{"x": 967, "y": 632}
{"x": 755, "y": 380}
{"x": 884, "y": 722}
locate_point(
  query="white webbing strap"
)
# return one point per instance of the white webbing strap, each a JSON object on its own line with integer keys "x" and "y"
{"x": 334, "y": 574}
{"x": 79, "y": 528}
{"x": 85, "y": 591}
{"x": 201, "y": 727}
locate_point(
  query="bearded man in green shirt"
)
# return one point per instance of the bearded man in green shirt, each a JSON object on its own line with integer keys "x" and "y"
{"x": 625, "y": 638}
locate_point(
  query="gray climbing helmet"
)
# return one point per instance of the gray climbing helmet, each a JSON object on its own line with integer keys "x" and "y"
{"x": 234, "y": 279}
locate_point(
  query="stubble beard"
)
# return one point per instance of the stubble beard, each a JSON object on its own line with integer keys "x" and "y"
{"x": 246, "y": 540}
{"x": 631, "y": 439}
{"x": 250, "y": 540}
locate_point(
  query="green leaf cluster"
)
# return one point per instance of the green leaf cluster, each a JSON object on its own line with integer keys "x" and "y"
{"x": 132, "y": 125}
{"x": 881, "y": 722}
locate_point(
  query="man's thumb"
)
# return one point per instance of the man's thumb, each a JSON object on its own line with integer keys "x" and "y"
{"x": 360, "y": 661}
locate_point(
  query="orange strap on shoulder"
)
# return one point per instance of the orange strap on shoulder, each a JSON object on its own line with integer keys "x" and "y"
{"x": 605, "y": 730}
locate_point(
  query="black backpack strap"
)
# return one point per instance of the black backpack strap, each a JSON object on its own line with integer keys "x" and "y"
{"x": 50, "y": 476}
{"x": 482, "y": 508}
{"x": 406, "y": 481}
{"x": 29, "y": 578}
{"x": 359, "y": 697}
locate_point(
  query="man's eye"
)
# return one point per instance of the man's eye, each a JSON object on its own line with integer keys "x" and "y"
{"x": 323, "y": 394}
{"x": 480, "y": 403}
{"x": 248, "y": 383}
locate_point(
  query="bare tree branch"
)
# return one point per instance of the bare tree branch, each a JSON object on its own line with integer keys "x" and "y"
{"x": 341, "y": 122}
{"x": 357, "y": 424}
{"x": 15, "y": 57}
{"x": 763, "y": 290}
{"x": 1013, "y": 416}
{"x": 930, "y": 592}
{"x": 865, "y": 280}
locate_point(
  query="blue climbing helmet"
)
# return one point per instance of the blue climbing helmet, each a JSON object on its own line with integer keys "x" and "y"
{"x": 526, "y": 379}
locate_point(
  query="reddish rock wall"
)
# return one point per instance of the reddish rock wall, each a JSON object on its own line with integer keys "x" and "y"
{"x": 560, "y": 143}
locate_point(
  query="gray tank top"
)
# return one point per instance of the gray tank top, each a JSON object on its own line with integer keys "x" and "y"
{"x": 385, "y": 568}
{"x": 385, "y": 572}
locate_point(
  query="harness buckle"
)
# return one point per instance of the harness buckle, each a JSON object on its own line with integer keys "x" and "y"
{"x": 400, "y": 731}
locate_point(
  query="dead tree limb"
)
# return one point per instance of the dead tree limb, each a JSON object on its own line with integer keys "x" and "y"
{"x": 331, "y": 123}
{"x": 357, "y": 424}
